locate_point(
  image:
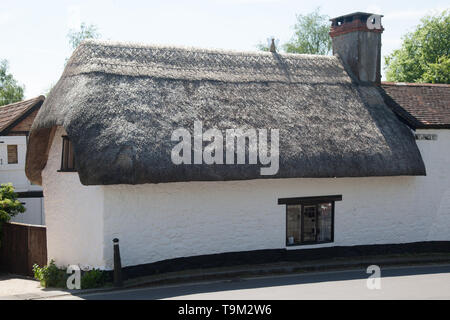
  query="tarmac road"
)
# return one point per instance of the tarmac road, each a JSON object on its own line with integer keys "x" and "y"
{"x": 415, "y": 282}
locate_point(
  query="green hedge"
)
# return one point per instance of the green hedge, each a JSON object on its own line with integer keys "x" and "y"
{"x": 52, "y": 276}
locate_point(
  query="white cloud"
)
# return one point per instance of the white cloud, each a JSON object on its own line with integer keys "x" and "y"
{"x": 73, "y": 17}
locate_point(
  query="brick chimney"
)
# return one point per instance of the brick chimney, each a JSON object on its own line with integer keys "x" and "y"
{"x": 357, "y": 40}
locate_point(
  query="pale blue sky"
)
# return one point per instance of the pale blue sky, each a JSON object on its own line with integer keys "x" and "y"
{"x": 33, "y": 33}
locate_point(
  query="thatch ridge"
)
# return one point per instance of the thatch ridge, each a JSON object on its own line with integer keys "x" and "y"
{"x": 139, "y": 45}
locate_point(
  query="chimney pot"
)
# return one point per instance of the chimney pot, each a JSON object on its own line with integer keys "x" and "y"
{"x": 273, "y": 48}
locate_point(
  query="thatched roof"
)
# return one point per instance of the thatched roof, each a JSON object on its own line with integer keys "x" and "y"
{"x": 120, "y": 103}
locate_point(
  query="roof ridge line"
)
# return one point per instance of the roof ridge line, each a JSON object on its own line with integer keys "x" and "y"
{"x": 40, "y": 97}
{"x": 140, "y": 45}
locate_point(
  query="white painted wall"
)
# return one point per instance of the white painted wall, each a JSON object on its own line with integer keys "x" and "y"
{"x": 433, "y": 191}
{"x": 15, "y": 173}
{"x": 162, "y": 221}
{"x": 74, "y": 214}
{"x": 34, "y": 213}
{"x": 184, "y": 219}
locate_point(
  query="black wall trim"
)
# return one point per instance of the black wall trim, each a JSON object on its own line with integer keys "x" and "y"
{"x": 306, "y": 200}
{"x": 280, "y": 255}
{"x": 30, "y": 194}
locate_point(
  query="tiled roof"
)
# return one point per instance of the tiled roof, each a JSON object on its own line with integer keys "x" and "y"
{"x": 11, "y": 112}
{"x": 421, "y": 105}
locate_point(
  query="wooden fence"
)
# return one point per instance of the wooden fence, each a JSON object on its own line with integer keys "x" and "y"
{"x": 22, "y": 245}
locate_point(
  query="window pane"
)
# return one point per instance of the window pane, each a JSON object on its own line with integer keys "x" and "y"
{"x": 70, "y": 164}
{"x": 293, "y": 224}
{"x": 12, "y": 154}
{"x": 68, "y": 156}
{"x": 65, "y": 154}
{"x": 324, "y": 217}
{"x": 309, "y": 223}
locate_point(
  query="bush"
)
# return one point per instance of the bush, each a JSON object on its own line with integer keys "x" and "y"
{"x": 9, "y": 205}
{"x": 94, "y": 278}
{"x": 52, "y": 276}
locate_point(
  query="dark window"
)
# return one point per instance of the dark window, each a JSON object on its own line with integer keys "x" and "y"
{"x": 68, "y": 156}
{"x": 309, "y": 220}
{"x": 12, "y": 154}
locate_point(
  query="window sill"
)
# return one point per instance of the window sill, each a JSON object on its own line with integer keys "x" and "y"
{"x": 307, "y": 244}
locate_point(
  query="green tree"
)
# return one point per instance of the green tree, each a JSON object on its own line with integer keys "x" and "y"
{"x": 310, "y": 35}
{"x": 85, "y": 32}
{"x": 425, "y": 53}
{"x": 10, "y": 90}
{"x": 9, "y": 205}
{"x": 75, "y": 37}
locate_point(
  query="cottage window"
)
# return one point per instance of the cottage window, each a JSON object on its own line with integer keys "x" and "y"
{"x": 68, "y": 156}
{"x": 309, "y": 220}
{"x": 12, "y": 154}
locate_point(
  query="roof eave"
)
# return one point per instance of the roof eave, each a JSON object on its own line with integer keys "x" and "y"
{"x": 6, "y": 130}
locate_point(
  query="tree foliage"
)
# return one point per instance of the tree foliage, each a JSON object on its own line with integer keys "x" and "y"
{"x": 310, "y": 35}
{"x": 10, "y": 90}
{"x": 75, "y": 37}
{"x": 425, "y": 53}
{"x": 85, "y": 32}
{"x": 9, "y": 205}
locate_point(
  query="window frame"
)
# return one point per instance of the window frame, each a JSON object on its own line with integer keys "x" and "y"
{"x": 63, "y": 153}
{"x": 309, "y": 201}
{"x": 16, "y": 153}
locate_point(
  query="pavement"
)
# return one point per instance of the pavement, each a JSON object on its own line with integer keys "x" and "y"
{"x": 16, "y": 287}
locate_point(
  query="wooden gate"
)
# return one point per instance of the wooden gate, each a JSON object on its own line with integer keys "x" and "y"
{"x": 22, "y": 245}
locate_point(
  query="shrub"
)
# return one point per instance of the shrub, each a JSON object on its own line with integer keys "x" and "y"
{"x": 9, "y": 205}
{"x": 50, "y": 275}
{"x": 94, "y": 278}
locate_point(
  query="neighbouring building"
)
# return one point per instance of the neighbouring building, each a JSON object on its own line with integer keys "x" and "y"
{"x": 15, "y": 124}
{"x": 360, "y": 169}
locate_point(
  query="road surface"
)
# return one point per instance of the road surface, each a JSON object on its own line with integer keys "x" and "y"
{"x": 418, "y": 282}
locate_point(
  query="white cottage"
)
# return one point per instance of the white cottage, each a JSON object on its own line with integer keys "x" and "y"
{"x": 351, "y": 178}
